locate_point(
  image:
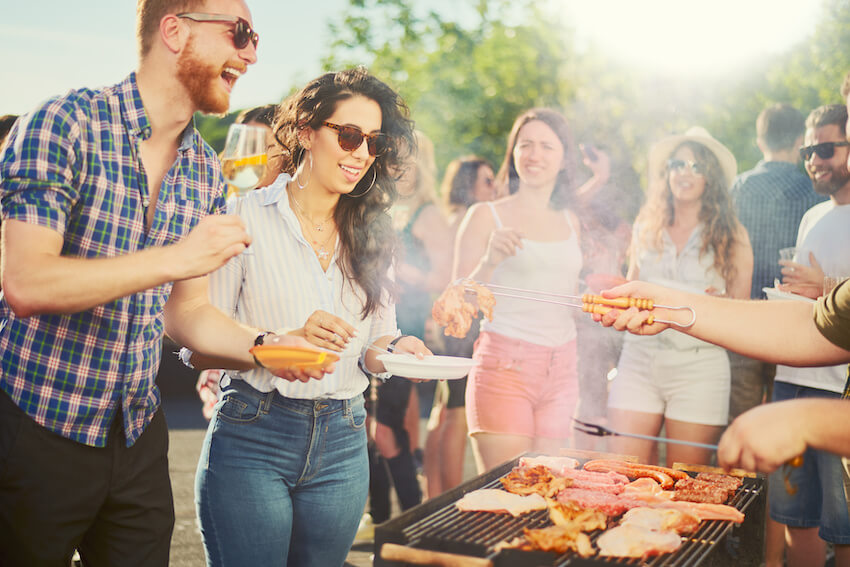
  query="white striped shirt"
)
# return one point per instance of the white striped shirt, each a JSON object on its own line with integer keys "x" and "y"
{"x": 278, "y": 282}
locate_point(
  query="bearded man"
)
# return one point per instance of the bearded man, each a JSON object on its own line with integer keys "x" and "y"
{"x": 818, "y": 513}
{"x": 110, "y": 202}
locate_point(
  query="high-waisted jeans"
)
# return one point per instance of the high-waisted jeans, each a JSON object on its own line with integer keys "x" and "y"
{"x": 281, "y": 481}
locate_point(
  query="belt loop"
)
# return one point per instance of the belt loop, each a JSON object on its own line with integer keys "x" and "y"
{"x": 266, "y": 404}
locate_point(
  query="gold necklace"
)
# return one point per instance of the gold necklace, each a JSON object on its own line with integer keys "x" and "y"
{"x": 319, "y": 227}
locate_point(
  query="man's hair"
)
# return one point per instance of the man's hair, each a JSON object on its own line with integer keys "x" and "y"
{"x": 779, "y": 126}
{"x": 845, "y": 86}
{"x": 150, "y": 12}
{"x": 826, "y": 115}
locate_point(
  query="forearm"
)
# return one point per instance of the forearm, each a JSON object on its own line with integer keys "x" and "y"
{"x": 60, "y": 284}
{"x": 780, "y": 332}
{"x": 216, "y": 340}
{"x": 826, "y": 424}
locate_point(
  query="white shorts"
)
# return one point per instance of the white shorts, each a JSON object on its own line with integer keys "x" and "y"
{"x": 689, "y": 385}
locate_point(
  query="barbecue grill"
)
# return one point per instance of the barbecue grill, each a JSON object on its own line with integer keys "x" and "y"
{"x": 437, "y": 533}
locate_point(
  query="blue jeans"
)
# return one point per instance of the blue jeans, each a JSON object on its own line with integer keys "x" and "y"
{"x": 281, "y": 481}
{"x": 819, "y": 500}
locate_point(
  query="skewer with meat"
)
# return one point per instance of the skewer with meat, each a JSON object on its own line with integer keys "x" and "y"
{"x": 455, "y": 313}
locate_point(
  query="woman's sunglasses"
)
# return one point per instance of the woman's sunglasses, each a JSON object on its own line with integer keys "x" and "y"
{"x": 679, "y": 165}
{"x": 350, "y": 138}
{"x": 242, "y": 32}
{"x": 824, "y": 151}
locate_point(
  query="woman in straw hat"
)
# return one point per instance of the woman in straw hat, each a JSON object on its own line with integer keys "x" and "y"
{"x": 685, "y": 236}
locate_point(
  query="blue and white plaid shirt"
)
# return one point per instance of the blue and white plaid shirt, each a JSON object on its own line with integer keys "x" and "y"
{"x": 73, "y": 166}
{"x": 770, "y": 200}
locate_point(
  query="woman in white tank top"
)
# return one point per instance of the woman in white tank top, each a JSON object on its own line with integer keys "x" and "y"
{"x": 523, "y": 388}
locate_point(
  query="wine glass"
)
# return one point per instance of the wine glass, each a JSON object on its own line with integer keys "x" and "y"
{"x": 243, "y": 160}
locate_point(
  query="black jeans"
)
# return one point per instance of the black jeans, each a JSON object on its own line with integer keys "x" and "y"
{"x": 113, "y": 504}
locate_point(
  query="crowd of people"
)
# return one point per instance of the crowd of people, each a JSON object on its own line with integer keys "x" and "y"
{"x": 343, "y": 245}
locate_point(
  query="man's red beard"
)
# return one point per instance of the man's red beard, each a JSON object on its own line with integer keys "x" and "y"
{"x": 199, "y": 79}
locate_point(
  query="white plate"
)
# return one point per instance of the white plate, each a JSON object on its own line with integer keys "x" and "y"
{"x": 429, "y": 368}
{"x": 773, "y": 293}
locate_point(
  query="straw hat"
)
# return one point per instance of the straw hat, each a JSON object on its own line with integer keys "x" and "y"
{"x": 661, "y": 151}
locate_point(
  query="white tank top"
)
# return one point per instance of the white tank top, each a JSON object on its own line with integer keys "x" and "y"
{"x": 552, "y": 267}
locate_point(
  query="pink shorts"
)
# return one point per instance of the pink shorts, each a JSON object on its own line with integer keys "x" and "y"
{"x": 520, "y": 388}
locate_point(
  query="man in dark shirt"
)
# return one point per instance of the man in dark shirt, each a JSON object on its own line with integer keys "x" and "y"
{"x": 770, "y": 200}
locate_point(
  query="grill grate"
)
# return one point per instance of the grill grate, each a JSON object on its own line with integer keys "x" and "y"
{"x": 438, "y": 525}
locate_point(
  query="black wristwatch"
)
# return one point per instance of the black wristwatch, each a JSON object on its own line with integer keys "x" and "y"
{"x": 391, "y": 346}
{"x": 261, "y": 338}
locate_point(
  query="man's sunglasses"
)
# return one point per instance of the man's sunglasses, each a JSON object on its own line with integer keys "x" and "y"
{"x": 679, "y": 165}
{"x": 242, "y": 32}
{"x": 350, "y": 138}
{"x": 824, "y": 151}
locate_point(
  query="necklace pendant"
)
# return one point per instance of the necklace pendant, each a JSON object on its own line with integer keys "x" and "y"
{"x": 322, "y": 253}
{"x": 319, "y": 227}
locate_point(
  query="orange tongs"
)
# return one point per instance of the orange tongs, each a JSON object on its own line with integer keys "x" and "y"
{"x": 588, "y": 302}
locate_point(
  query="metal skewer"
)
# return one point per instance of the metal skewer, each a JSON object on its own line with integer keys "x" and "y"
{"x": 599, "y": 431}
{"x": 590, "y": 303}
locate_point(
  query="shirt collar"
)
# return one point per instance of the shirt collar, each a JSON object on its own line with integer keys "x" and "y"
{"x": 136, "y": 118}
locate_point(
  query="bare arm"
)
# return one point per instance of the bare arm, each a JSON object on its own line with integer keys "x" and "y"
{"x": 37, "y": 279}
{"x": 433, "y": 230}
{"x": 480, "y": 247}
{"x": 769, "y": 435}
{"x": 739, "y": 286}
{"x": 781, "y": 332}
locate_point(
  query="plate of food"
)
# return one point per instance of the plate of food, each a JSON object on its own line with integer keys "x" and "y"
{"x": 773, "y": 293}
{"x": 428, "y": 368}
{"x": 280, "y": 357}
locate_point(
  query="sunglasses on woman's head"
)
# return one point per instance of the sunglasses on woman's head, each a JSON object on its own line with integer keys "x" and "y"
{"x": 679, "y": 165}
{"x": 350, "y": 138}
{"x": 824, "y": 151}
{"x": 242, "y": 32}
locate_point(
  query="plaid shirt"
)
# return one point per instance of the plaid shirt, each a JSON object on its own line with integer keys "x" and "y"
{"x": 73, "y": 166}
{"x": 770, "y": 200}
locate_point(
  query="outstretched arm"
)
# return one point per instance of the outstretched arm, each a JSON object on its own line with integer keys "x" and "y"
{"x": 782, "y": 332}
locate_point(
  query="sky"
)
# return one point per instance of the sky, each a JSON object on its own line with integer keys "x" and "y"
{"x": 50, "y": 46}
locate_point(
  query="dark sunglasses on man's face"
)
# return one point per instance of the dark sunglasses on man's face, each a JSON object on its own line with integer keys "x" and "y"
{"x": 824, "y": 151}
{"x": 350, "y": 138}
{"x": 242, "y": 32}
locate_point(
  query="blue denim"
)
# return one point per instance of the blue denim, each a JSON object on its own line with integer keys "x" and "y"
{"x": 819, "y": 500}
{"x": 281, "y": 481}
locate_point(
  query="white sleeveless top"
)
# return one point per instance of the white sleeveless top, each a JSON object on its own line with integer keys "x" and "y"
{"x": 551, "y": 267}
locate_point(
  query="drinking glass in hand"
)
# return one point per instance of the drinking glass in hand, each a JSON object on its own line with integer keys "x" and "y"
{"x": 243, "y": 160}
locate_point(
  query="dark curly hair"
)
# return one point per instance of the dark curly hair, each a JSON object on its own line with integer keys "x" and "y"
{"x": 367, "y": 239}
{"x": 563, "y": 194}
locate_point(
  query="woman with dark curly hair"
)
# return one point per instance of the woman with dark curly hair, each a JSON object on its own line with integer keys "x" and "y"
{"x": 283, "y": 475}
{"x": 686, "y": 236}
{"x": 522, "y": 391}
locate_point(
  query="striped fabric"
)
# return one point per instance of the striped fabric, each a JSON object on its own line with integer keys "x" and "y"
{"x": 72, "y": 166}
{"x": 770, "y": 200}
{"x": 278, "y": 282}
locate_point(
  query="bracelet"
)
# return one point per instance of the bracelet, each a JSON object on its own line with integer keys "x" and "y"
{"x": 391, "y": 346}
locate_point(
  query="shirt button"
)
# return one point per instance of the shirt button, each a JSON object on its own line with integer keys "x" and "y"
{"x": 146, "y": 203}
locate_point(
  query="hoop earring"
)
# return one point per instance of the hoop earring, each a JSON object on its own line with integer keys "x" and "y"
{"x": 374, "y": 177}
{"x": 301, "y": 170}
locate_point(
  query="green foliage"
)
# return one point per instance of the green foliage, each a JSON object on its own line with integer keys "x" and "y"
{"x": 466, "y": 78}
{"x": 213, "y": 129}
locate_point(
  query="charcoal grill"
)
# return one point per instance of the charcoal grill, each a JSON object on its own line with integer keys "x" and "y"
{"x": 437, "y": 533}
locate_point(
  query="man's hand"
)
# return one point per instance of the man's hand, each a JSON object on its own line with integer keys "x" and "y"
{"x": 801, "y": 279}
{"x": 764, "y": 438}
{"x": 213, "y": 241}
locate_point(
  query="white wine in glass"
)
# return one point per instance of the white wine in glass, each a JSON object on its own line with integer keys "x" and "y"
{"x": 243, "y": 160}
